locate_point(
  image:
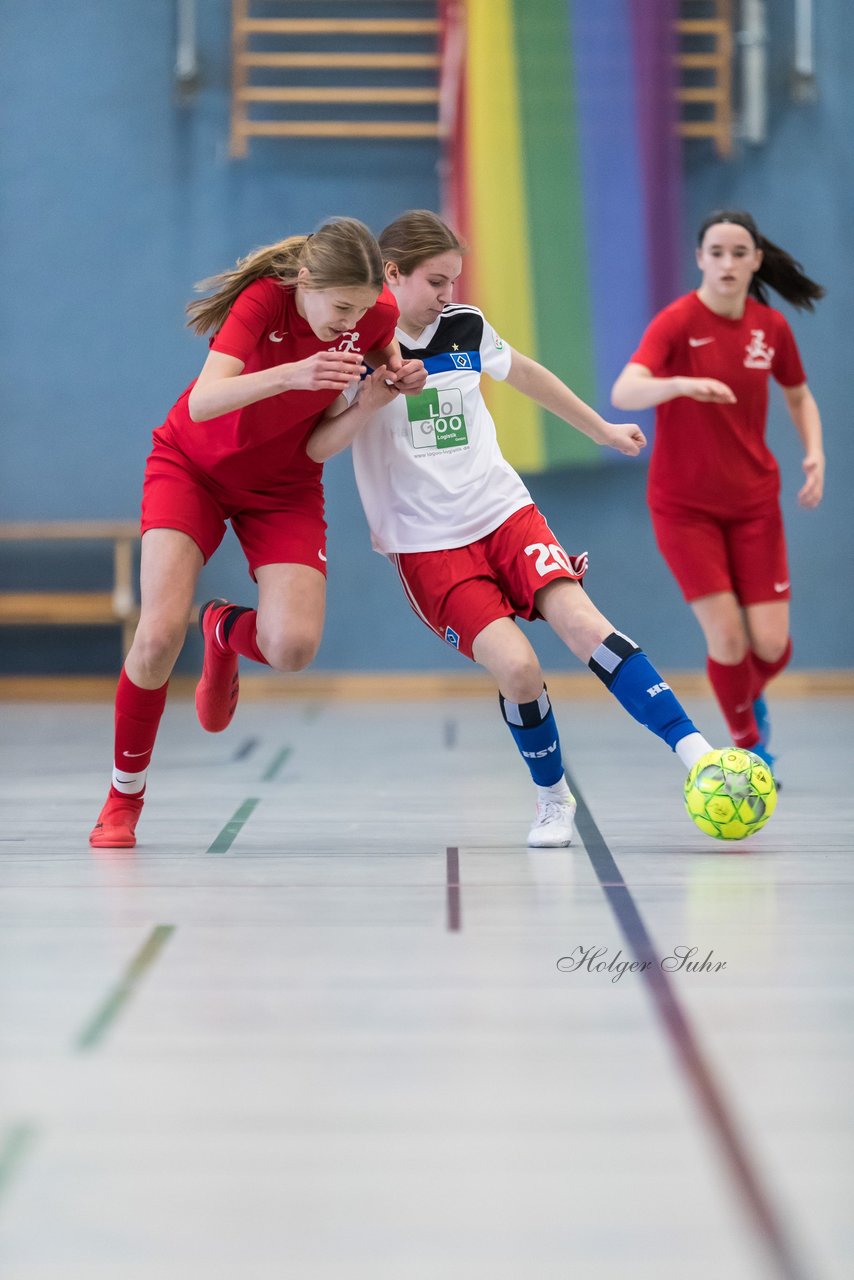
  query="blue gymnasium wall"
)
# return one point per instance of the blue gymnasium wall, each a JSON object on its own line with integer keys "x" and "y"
{"x": 116, "y": 199}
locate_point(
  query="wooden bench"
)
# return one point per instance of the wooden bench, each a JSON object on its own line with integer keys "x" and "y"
{"x": 117, "y": 607}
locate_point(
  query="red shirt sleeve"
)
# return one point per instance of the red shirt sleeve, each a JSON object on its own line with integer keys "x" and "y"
{"x": 385, "y": 313}
{"x": 656, "y": 345}
{"x": 252, "y": 312}
{"x": 786, "y": 366}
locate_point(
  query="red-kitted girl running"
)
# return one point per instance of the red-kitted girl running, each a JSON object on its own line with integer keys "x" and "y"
{"x": 292, "y": 325}
{"x": 705, "y": 362}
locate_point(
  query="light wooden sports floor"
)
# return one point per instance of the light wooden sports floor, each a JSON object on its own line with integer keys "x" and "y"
{"x": 315, "y": 1025}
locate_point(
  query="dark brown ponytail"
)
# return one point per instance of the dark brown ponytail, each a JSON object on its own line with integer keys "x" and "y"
{"x": 779, "y": 270}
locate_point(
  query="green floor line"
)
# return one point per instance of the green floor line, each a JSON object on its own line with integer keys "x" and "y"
{"x": 97, "y": 1027}
{"x": 13, "y": 1149}
{"x": 231, "y": 830}
{"x": 276, "y": 764}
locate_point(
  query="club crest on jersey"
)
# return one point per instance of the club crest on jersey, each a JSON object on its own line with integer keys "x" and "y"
{"x": 757, "y": 354}
{"x": 452, "y": 638}
{"x": 461, "y": 359}
{"x": 436, "y": 419}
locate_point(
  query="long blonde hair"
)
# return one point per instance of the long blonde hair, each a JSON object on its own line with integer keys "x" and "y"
{"x": 416, "y": 236}
{"x": 341, "y": 253}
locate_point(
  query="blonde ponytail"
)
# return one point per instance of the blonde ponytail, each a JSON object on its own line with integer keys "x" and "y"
{"x": 342, "y": 253}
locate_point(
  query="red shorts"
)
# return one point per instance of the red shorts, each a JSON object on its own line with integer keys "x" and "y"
{"x": 281, "y": 527}
{"x": 460, "y": 591}
{"x": 707, "y": 555}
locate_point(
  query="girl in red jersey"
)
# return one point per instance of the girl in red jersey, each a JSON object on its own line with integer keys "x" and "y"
{"x": 292, "y": 324}
{"x": 714, "y": 485}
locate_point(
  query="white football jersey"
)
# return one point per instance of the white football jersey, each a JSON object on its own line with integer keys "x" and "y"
{"x": 429, "y": 469}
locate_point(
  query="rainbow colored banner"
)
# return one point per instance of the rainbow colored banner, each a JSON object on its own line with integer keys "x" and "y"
{"x": 564, "y": 176}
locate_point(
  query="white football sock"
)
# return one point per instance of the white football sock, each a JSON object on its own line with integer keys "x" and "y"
{"x": 557, "y": 791}
{"x": 690, "y": 748}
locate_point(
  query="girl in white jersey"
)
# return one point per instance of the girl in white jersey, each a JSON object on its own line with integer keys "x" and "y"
{"x": 471, "y": 548}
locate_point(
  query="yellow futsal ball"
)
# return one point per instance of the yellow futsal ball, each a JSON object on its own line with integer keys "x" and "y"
{"x": 730, "y": 794}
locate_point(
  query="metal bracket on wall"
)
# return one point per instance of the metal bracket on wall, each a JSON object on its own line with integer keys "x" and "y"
{"x": 186, "y": 49}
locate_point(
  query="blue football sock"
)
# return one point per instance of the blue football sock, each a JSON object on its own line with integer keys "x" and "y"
{"x": 637, "y": 686}
{"x": 534, "y": 731}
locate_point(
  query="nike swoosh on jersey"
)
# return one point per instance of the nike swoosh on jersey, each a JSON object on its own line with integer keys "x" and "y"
{"x": 699, "y": 342}
{"x": 277, "y": 337}
{"x": 321, "y": 556}
{"x": 781, "y": 586}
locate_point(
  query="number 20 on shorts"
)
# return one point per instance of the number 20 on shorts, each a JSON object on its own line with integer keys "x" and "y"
{"x": 549, "y": 557}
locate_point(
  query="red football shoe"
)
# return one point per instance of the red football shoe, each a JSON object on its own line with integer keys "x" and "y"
{"x": 218, "y": 689}
{"x": 116, "y": 825}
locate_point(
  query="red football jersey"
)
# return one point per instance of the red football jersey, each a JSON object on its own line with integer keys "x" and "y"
{"x": 714, "y": 457}
{"x": 262, "y": 445}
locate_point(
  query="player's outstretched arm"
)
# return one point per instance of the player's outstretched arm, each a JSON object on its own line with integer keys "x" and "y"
{"x": 805, "y": 415}
{"x": 636, "y": 388}
{"x": 340, "y": 426}
{"x": 540, "y": 384}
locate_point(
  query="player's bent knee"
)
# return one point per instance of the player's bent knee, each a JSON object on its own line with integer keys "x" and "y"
{"x": 728, "y": 650}
{"x": 770, "y": 648}
{"x": 289, "y": 652}
{"x": 521, "y": 677}
{"x": 727, "y": 641}
{"x": 154, "y": 650}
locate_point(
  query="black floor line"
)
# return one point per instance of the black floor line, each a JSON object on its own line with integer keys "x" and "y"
{"x": 453, "y": 889}
{"x": 708, "y": 1093}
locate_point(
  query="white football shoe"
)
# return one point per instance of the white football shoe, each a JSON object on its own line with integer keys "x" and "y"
{"x": 552, "y": 827}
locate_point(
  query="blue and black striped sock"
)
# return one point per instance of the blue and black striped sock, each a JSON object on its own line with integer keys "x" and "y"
{"x": 637, "y": 686}
{"x": 534, "y": 731}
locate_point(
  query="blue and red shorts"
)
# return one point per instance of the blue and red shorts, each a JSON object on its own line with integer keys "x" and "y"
{"x": 459, "y": 591}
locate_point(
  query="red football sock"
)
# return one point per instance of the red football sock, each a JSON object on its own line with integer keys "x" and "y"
{"x": 733, "y": 686}
{"x": 237, "y": 632}
{"x": 138, "y": 713}
{"x": 765, "y": 671}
